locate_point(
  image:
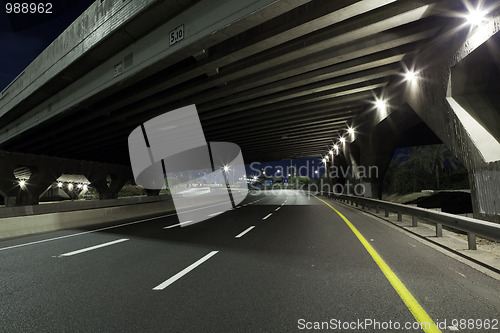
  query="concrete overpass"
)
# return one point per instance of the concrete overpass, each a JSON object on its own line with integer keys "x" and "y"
{"x": 282, "y": 79}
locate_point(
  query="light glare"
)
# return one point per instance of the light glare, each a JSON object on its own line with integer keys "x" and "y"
{"x": 381, "y": 104}
{"x": 410, "y": 76}
{"x": 476, "y": 17}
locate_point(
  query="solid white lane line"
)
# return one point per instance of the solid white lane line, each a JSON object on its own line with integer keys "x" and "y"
{"x": 181, "y": 224}
{"x": 245, "y": 204}
{"x": 244, "y": 232}
{"x": 186, "y": 270}
{"x": 93, "y": 247}
{"x": 105, "y": 228}
{"x": 277, "y": 209}
{"x": 215, "y": 214}
{"x": 267, "y": 216}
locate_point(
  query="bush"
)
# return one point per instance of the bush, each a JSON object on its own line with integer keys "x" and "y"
{"x": 131, "y": 191}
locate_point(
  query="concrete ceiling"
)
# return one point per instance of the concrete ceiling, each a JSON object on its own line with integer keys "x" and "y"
{"x": 283, "y": 87}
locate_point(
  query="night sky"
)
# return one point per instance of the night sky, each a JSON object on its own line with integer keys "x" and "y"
{"x": 24, "y": 36}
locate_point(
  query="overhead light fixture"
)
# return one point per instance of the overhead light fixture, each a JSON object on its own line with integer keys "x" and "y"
{"x": 60, "y": 184}
{"x": 476, "y": 17}
{"x": 226, "y": 168}
{"x": 22, "y": 183}
{"x": 336, "y": 147}
{"x": 323, "y": 160}
{"x": 350, "y": 130}
{"x": 342, "y": 139}
{"x": 411, "y": 76}
{"x": 330, "y": 152}
{"x": 381, "y": 104}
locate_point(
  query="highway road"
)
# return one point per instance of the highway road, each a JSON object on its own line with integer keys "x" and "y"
{"x": 281, "y": 261}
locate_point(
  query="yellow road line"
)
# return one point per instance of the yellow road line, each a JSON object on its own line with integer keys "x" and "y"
{"x": 418, "y": 312}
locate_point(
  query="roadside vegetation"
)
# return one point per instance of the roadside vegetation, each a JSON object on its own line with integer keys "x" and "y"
{"x": 420, "y": 168}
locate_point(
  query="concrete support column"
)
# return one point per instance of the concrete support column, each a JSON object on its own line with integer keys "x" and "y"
{"x": 458, "y": 100}
{"x": 330, "y": 164}
{"x": 339, "y": 167}
{"x": 9, "y": 186}
{"x": 42, "y": 177}
{"x": 44, "y": 171}
{"x": 70, "y": 194}
{"x": 152, "y": 193}
{"x": 378, "y": 137}
{"x": 43, "y": 174}
{"x": 107, "y": 184}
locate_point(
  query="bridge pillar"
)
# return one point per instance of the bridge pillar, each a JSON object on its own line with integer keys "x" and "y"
{"x": 44, "y": 171}
{"x": 337, "y": 173}
{"x": 43, "y": 174}
{"x": 456, "y": 95}
{"x": 42, "y": 177}
{"x": 375, "y": 141}
{"x": 152, "y": 193}
{"x": 9, "y": 185}
{"x": 107, "y": 184}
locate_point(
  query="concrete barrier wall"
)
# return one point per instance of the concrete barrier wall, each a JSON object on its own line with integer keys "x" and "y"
{"x": 27, "y": 220}
{"x": 66, "y": 206}
{"x": 32, "y": 224}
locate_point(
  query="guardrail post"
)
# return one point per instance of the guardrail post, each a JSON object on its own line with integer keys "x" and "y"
{"x": 471, "y": 240}
{"x": 400, "y": 216}
{"x": 439, "y": 230}
{"x": 386, "y": 212}
{"x": 377, "y": 209}
{"x": 357, "y": 202}
{"x": 413, "y": 221}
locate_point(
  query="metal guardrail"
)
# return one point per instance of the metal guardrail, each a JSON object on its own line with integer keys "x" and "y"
{"x": 469, "y": 225}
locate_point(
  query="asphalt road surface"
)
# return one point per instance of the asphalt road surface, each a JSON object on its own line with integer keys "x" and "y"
{"x": 280, "y": 262}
